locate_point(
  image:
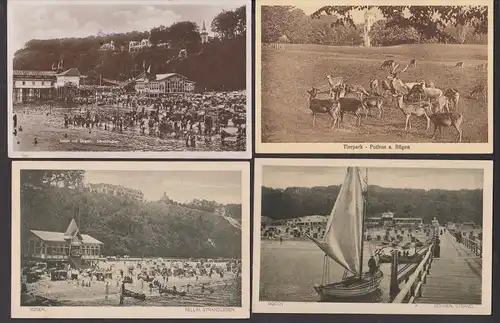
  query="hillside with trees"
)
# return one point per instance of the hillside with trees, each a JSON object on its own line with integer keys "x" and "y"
{"x": 334, "y": 25}
{"x": 50, "y": 199}
{"x": 456, "y": 206}
{"x": 217, "y": 65}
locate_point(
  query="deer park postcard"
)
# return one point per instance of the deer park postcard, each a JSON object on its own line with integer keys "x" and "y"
{"x": 152, "y": 79}
{"x": 365, "y": 237}
{"x": 374, "y": 76}
{"x": 130, "y": 240}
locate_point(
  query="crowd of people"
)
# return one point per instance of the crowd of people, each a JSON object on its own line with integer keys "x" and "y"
{"x": 192, "y": 117}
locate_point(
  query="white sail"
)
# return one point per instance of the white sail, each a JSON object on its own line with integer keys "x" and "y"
{"x": 342, "y": 239}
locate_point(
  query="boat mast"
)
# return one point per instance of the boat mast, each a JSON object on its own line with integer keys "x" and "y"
{"x": 365, "y": 197}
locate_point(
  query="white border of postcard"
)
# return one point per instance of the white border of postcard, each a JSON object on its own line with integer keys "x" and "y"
{"x": 18, "y": 311}
{"x": 371, "y": 147}
{"x": 136, "y": 154}
{"x": 377, "y": 308}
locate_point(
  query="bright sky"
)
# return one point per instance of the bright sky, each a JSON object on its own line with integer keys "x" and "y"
{"x": 59, "y": 19}
{"x": 413, "y": 178}
{"x": 182, "y": 186}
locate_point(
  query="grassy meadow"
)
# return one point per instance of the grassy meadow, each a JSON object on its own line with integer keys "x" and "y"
{"x": 288, "y": 74}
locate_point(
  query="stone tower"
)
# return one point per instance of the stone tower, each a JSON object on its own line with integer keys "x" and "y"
{"x": 369, "y": 21}
{"x": 204, "y": 34}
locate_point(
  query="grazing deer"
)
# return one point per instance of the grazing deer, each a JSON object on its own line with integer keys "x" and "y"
{"x": 447, "y": 119}
{"x": 389, "y": 64}
{"x": 320, "y": 105}
{"x": 454, "y": 96}
{"x": 373, "y": 102}
{"x": 482, "y": 67}
{"x": 351, "y": 105}
{"x": 417, "y": 109}
{"x": 460, "y": 65}
{"x": 478, "y": 89}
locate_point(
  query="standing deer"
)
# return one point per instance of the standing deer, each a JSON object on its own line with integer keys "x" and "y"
{"x": 388, "y": 64}
{"x": 447, "y": 119}
{"x": 413, "y": 63}
{"x": 321, "y": 106}
{"x": 478, "y": 89}
{"x": 373, "y": 86}
{"x": 459, "y": 65}
{"x": 417, "y": 109}
{"x": 454, "y": 96}
{"x": 373, "y": 102}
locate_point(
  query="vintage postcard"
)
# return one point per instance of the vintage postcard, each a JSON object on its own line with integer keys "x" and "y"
{"x": 134, "y": 79}
{"x": 130, "y": 240}
{"x": 378, "y": 76}
{"x": 372, "y": 237}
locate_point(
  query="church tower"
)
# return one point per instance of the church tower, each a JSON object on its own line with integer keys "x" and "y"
{"x": 204, "y": 34}
{"x": 369, "y": 21}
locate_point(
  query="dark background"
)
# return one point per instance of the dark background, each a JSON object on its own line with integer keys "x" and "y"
{"x": 5, "y": 214}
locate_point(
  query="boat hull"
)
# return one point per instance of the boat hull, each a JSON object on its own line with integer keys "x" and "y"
{"x": 350, "y": 287}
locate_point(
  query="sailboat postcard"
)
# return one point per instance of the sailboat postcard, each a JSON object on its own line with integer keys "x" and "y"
{"x": 130, "y": 240}
{"x": 372, "y": 236}
{"x": 129, "y": 79}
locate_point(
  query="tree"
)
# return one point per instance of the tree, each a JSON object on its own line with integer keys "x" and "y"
{"x": 429, "y": 21}
{"x": 44, "y": 178}
{"x": 230, "y": 23}
{"x": 274, "y": 22}
{"x": 385, "y": 35}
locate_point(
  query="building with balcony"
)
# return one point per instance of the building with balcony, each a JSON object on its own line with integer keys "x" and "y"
{"x": 108, "y": 47}
{"x": 68, "y": 247}
{"x": 134, "y": 46}
{"x": 165, "y": 83}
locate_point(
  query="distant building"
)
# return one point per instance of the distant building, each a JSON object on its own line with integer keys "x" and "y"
{"x": 387, "y": 219}
{"x": 165, "y": 83}
{"x": 134, "y": 46}
{"x": 116, "y": 190}
{"x": 70, "y": 246}
{"x": 204, "y": 34}
{"x": 41, "y": 85}
{"x": 108, "y": 46}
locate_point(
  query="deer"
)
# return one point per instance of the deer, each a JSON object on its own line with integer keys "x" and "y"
{"x": 389, "y": 64}
{"x": 373, "y": 102}
{"x": 319, "y": 106}
{"x": 454, "y": 96}
{"x": 440, "y": 104}
{"x": 413, "y": 63}
{"x": 459, "y": 65}
{"x": 357, "y": 90}
{"x": 374, "y": 86}
{"x": 431, "y": 93}
{"x": 335, "y": 81}
{"x": 351, "y": 105}
{"x": 447, "y": 119}
{"x": 478, "y": 89}
{"x": 482, "y": 67}
{"x": 417, "y": 109}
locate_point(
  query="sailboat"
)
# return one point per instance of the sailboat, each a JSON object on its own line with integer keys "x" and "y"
{"x": 343, "y": 242}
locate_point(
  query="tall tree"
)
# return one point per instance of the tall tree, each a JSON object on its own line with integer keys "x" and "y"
{"x": 429, "y": 21}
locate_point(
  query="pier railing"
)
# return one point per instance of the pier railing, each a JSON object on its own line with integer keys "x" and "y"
{"x": 473, "y": 245}
{"x": 414, "y": 282}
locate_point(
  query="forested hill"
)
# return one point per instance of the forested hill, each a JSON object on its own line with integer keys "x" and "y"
{"x": 128, "y": 226}
{"x": 217, "y": 65}
{"x": 457, "y": 206}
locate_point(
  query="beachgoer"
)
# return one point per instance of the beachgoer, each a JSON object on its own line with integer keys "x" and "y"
{"x": 372, "y": 265}
{"x": 107, "y": 290}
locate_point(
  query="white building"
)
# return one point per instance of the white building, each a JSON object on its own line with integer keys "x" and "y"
{"x": 72, "y": 76}
{"x": 204, "y": 34}
{"x": 108, "y": 46}
{"x": 139, "y": 45}
{"x": 165, "y": 83}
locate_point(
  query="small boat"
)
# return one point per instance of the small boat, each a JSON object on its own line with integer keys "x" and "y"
{"x": 129, "y": 293}
{"x": 387, "y": 259}
{"x": 343, "y": 243}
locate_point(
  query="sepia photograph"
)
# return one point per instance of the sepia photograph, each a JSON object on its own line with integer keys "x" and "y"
{"x": 371, "y": 77}
{"x": 365, "y": 237}
{"x": 130, "y": 240}
{"x": 151, "y": 79}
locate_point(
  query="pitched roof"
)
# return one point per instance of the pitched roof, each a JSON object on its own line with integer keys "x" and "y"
{"x": 59, "y": 237}
{"x": 33, "y": 73}
{"x": 161, "y": 77}
{"x": 72, "y": 230}
{"x": 71, "y": 72}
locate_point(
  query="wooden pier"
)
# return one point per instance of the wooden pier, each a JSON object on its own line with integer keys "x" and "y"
{"x": 452, "y": 278}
